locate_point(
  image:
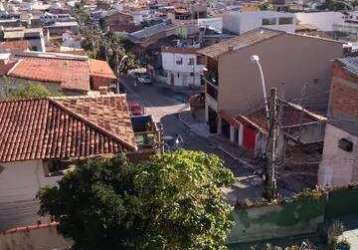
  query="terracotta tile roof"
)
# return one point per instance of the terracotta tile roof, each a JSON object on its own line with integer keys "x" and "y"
{"x": 110, "y": 113}
{"x": 100, "y": 68}
{"x": 292, "y": 115}
{"x": 70, "y": 74}
{"x": 247, "y": 39}
{"x": 4, "y": 69}
{"x": 17, "y": 45}
{"x": 55, "y": 128}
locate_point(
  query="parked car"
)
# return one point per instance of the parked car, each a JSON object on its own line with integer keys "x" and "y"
{"x": 144, "y": 79}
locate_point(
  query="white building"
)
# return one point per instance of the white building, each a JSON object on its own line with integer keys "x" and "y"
{"x": 28, "y": 161}
{"x": 214, "y": 23}
{"x": 339, "y": 165}
{"x": 181, "y": 66}
{"x": 34, "y": 36}
{"x": 323, "y": 21}
{"x": 50, "y": 18}
{"x": 241, "y": 22}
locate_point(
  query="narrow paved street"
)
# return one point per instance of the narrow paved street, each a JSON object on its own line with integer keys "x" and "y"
{"x": 164, "y": 105}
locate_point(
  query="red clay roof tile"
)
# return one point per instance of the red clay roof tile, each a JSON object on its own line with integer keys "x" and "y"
{"x": 17, "y": 45}
{"x": 100, "y": 68}
{"x": 70, "y": 74}
{"x": 55, "y": 128}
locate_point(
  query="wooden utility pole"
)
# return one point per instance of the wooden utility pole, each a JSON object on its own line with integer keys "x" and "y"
{"x": 271, "y": 157}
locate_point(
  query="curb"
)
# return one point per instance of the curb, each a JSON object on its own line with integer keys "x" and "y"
{"x": 249, "y": 165}
{"x": 178, "y": 114}
{"x": 245, "y": 163}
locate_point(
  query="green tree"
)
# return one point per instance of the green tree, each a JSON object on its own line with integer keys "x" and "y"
{"x": 27, "y": 90}
{"x": 81, "y": 13}
{"x": 266, "y": 6}
{"x": 337, "y": 5}
{"x": 172, "y": 202}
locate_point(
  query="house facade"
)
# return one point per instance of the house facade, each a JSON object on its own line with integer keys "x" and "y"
{"x": 323, "y": 21}
{"x": 339, "y": 166}
{"x": 289, "y": 63}
{"x": 34, "y": 36}
{"x": 119, "y": 21}
{"x": 240, "y": 22}
{"x": 58, "y": 28}
{"x": 42, "y": 138}
{"x": 181, "y": 66}
{"x": 250, "y": 131}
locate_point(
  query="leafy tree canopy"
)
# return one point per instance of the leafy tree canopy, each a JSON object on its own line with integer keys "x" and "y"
{"x": 28, "y": 90}
{"x": 266, "y": 6}
{"x": 173, "y": 202}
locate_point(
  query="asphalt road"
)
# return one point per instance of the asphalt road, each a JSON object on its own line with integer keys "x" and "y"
{"x": 164, "y": 105}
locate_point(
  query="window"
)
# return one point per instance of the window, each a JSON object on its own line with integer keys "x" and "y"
{"x": 268, "y": 21}
{"x": 191, "y": 61}
{"x": 191, "y": 74}
{"x": 285, "y": 20}
{"x": 345, "y": 145}
{"x": 200, "y": 60}
{"x": 179, "y": 61}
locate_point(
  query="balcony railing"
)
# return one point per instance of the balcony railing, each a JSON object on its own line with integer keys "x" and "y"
{"x": 211, "y": 90}
{"x": 212, "y": 77}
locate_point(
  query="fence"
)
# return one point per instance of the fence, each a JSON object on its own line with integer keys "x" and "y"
{"x": 303, "y": 215}
{"x": 290, "y": 218}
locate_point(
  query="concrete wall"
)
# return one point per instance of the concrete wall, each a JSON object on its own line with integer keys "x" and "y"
{"x": 323, "y": 21}
{"x": 241, "y": 22}
{"x": 19, "y": 184}
{"x": 288, "y": 62}
{"x": 182, "y": 79}
{"x": 308, "y": 133}
{"x": 338, "y": 167}
{"x": 46, "y": 238}
{"x": 279, "y": 221}
{"x": 169, "y": 62}
{"x": 215, "y": 23}
{"x": 182, "y": 73}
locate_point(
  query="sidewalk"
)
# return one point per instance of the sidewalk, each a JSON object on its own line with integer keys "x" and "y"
{"x": 198, "y": 126}
{"x": 248, "y": 184}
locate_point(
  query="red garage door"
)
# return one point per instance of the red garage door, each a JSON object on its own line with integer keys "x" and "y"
{"x": 249, "y": 139}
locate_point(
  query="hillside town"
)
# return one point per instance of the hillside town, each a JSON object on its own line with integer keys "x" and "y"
{"x": 178, "y": 124}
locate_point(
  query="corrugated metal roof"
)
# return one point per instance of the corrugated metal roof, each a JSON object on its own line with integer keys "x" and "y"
{"x": 350, "y": 64}
{"x": 238, "y": 42}
{"x": 152, "y": 30}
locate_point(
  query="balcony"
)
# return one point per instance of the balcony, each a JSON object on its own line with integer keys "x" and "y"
{"x": 211, "y": 77}
{"x": 211, "y": 90}
{"x": 147, "y": 134}
{"x": 210, "y": 80}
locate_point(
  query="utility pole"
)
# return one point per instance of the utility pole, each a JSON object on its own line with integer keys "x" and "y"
{"x": 271, "y": 157}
